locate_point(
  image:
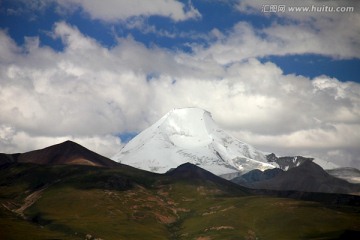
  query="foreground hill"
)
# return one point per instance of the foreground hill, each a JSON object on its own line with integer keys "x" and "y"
{"x": 83, "y": 202}
{"x": 67, "y": 152}
{"x": 68, "y": 201}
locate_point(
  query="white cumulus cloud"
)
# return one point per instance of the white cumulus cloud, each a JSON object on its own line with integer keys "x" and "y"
{"x": 115, "y": 10}
{"x": 91, "y": 94}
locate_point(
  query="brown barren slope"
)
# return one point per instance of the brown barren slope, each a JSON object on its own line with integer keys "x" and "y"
{"x": 67, "y": 152}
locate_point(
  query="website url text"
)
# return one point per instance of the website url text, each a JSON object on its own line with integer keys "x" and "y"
{"x": 275, "y": 8}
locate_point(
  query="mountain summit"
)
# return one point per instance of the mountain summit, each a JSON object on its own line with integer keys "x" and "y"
{"x": 190, "y": 135}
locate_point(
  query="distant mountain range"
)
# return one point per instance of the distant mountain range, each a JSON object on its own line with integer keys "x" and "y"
{"x": 303, "y": 174}
{"x": 172, "y": 137}
{"x": 288, "y": 162}
{"x": 307, "y": 177}
{"x": 191, "y": 135}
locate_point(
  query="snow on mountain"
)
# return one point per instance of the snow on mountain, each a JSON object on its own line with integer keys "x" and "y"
{"x": 325, "y": 164}
{"x": 288, "y": 162}
{"x": 190, "y": 135}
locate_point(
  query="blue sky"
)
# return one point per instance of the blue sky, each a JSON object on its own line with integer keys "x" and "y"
{"x": 221, "y": 15}
{"x": 94, "y": 70}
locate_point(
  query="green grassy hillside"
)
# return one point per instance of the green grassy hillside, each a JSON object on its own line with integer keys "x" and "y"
{"x": 82, "y": 202}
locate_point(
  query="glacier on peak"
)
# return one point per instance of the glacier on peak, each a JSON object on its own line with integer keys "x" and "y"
{"x": 190, "y": 135}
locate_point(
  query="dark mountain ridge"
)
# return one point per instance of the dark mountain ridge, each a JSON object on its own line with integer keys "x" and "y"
{"x": 8, "y": 158}
{"x": 67, "y": 152}
{"x": 308, "y": 177}
{"x": 193, "y": 173}
{"x": 256, "y": 175}
{"x": 288, "y": 162}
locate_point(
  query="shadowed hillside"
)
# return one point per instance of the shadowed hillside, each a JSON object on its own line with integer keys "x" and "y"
{"x": 307, "y": 177}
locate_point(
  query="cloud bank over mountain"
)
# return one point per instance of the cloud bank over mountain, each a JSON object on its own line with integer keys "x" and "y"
{"x": 92, "y": 93}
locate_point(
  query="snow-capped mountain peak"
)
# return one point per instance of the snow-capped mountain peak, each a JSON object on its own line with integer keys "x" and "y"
{"x": 188, "y": 128}
{"x": 190, "y": 135}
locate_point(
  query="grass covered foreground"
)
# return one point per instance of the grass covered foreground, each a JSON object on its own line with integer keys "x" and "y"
{"x": 81, "y": 202}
